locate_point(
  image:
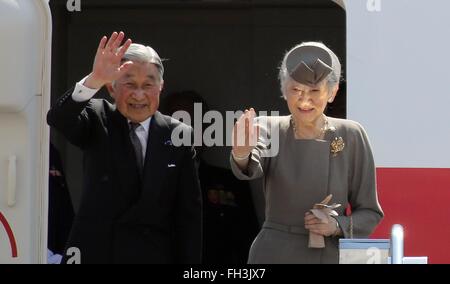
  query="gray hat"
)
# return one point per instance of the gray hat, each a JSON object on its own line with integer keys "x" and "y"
{"x": 309, "y": 64}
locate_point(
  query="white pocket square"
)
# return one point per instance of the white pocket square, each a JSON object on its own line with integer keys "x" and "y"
{"x": 171, "y": 166}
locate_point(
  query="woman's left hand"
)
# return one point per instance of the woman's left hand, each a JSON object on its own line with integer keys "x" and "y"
{"x": 315, "y": 225}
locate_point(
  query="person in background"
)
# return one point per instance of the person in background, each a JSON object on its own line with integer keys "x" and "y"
{"x": 229, "y": 219}
{"x": 60, "y": 209}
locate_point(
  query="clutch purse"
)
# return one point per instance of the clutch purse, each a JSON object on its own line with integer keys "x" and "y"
{"x": 321, "y": 211}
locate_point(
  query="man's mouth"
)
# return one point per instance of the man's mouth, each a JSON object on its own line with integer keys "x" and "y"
{"x": 137, "y": 106}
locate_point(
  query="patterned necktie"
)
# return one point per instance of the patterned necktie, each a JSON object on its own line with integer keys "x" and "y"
{"x": 136, "y": 145}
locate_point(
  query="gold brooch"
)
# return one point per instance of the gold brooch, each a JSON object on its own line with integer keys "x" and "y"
{"x": 337, "y": 145}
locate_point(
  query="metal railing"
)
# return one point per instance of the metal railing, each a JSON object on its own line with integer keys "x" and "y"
{"x": 397, "y": 244}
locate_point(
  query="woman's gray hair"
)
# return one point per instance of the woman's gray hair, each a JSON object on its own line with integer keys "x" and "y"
{"x": 332, "y": 79}
{"x": 145, "y": 54}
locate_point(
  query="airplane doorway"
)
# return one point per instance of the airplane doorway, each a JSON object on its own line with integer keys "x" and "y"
{"x": 227, "y": 51}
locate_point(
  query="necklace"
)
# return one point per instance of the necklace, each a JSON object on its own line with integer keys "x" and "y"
{"x": 322, "y": 130}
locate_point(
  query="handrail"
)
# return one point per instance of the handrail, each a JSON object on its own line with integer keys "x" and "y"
{"x": 12, "y": 181}
{"x": 397, "y": 244}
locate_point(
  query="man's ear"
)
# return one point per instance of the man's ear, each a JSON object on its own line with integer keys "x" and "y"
{"x": 111, "y": 90}
{"x": 161, "y": 86}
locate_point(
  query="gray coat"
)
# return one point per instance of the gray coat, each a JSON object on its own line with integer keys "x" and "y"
{"x": 303, "y": 173}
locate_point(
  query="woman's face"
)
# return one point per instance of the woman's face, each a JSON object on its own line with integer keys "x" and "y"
{"x": 305, "y": 103}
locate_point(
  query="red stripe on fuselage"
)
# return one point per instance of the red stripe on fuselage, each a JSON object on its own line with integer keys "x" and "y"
{"x": 9, "y": 232}
{"x": 419, "y": 200}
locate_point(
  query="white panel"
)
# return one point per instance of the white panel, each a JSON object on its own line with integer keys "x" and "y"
{"x": 398, "y": 67}
{"x": 17, "y": 25}
{"x": 25, "y": 30}
{"x": 21, "y": 214}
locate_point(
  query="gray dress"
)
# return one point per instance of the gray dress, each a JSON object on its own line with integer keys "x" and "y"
{"x": 303, "y": 173}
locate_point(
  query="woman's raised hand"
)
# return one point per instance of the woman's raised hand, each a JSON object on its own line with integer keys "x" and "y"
{"x": 245, "y": 135}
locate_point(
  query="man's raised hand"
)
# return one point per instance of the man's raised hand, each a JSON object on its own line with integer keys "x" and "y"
{"x": 108, "y": 65}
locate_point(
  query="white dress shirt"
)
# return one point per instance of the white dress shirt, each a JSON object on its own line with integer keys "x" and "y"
{"x": 82, "y": 93}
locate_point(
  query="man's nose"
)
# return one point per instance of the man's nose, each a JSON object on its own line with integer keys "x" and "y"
{"x": 138, "y": 94}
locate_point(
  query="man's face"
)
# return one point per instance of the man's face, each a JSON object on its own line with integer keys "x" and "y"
{"x": 137, "y": 92}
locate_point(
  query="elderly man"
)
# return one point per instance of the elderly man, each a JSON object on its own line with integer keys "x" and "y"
{"x": 141, "y": 198}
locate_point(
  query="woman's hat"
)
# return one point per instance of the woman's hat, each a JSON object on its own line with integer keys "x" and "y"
{"x": 309, "y": 64}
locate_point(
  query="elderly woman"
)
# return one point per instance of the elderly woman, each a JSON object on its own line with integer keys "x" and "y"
{"x": 318, "y": 156}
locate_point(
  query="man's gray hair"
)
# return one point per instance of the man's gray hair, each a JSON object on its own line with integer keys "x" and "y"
{"x": 332, "y": 79}
{"x": 144, "y": 54}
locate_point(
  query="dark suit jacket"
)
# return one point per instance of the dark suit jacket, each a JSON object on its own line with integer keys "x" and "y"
{"x": 125, "y": 217}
